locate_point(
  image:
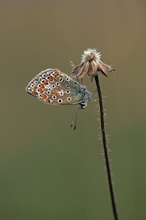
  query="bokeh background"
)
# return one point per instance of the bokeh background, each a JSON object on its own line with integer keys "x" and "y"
{"x": 47, "y": 170}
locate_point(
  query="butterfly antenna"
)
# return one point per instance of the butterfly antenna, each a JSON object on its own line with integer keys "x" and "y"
{"x": 92, "y": 96}
{"x": 74, "y": 121}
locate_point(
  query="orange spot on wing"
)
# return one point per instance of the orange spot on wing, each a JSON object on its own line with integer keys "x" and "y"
{"x": 40, "y": 90}
{"x": 43, "y": 96}
{"x": 48, "y": 100}
{"x": 41, "y": 86}
{"x": 46, "y": 82}
{"x": 56, "y": 74}
{"x": 50, "y": 78}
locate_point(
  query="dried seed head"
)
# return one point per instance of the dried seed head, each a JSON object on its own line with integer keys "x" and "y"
{"x": 90, "y": 55}
{"x": 90, "y": 64}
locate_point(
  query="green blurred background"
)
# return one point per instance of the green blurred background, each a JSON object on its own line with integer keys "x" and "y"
{"x": 47, "y": 170}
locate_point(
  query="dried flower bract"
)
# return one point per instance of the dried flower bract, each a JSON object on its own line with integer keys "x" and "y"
{"x": 90, "y": 64}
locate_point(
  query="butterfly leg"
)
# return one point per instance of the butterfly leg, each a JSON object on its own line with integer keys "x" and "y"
{"x": 74, "y": 121}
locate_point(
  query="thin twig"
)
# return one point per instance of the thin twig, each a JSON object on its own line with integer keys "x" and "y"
{"x": 114, "y": 208}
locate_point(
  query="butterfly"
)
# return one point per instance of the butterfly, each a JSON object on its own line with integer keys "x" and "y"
{"x": 57, "y": 88}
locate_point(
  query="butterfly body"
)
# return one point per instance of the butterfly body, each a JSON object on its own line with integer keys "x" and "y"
{"x": 56, "y": 88}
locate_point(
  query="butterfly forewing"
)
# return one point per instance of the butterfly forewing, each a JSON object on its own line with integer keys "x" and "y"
{"x": 54, "y": 87}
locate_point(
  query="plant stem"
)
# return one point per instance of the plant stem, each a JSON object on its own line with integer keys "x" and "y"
{"x": 104, "y": 141}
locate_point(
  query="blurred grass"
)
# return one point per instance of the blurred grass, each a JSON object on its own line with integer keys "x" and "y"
{"x": 47, "y": 170}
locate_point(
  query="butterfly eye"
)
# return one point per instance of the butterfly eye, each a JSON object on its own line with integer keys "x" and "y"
{"x": 39, "y": 96}
{"x": 57, "y": 84}
{"x": 44, "y": 74}
{"x": 61, "y": 93}
{"x": 60, "y": 79}
{"x": 54, "y": 97}
{"x": 42, "y": 81}
{"x": 52, "y": 74}
{"x": 53, "y": 86}
{"x": 31, "y": 85}
{"x": 60, "y": 100}
{"x": 35, "y": 82}
{"x": 67, "y": 86}
{"x": 69, "y": 99}
{"x": 67, "y": 91}
{"x": 67, "y": 79}
{"x": 38, "y": 90}
{"x": 48, "y": 92}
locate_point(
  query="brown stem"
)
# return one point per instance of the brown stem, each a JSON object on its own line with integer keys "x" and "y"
{"x": 108, "y": 169}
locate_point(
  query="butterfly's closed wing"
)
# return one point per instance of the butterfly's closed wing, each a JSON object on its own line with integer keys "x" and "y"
{"x": 54, "y": 87}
